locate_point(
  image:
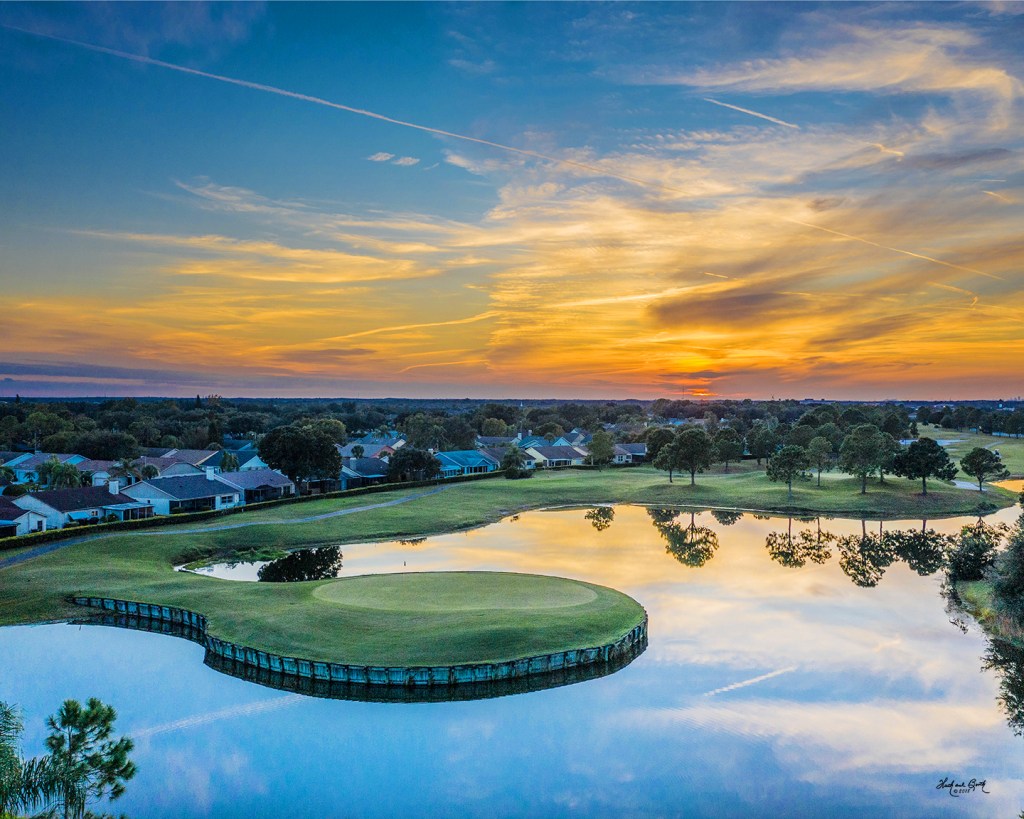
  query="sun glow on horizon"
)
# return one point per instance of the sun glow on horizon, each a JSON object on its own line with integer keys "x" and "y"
{"x": 814, "y": 231}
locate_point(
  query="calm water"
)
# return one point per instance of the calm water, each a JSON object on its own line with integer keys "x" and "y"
{"x": 767, "y": 689}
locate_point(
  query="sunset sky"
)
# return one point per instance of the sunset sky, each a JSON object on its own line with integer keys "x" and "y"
{"x": 530, "y": 200}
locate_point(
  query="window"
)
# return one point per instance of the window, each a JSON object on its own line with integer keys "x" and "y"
{"x": 227, "y": 498}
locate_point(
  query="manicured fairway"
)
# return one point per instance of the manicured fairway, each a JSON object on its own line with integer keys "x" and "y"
{"x": 429, "y": 618}
{"x": 290, "y": 619}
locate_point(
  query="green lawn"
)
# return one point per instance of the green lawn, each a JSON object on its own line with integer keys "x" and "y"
{"x": 433, "y": 618}
{"x": 1010, "y": 449}
{"x": 138, "y": 566}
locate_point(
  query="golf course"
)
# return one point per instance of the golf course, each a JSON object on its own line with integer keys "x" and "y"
{"x": 423, "y": 618}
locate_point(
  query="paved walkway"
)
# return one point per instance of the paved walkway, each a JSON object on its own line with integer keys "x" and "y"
{"x": 47, "y": 548}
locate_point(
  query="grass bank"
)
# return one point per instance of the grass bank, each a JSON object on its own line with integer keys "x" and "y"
{"x": 1011, "y": 450}
{"x": 138, "y": 565}
{"x": 431, "y": 618}
{"x": 978, "y": 599}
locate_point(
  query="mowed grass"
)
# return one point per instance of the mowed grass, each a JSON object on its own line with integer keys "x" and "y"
{"x": 289, "y": 619}
{"x": 1011, "y": 450}
{"x": 432, "y": 618}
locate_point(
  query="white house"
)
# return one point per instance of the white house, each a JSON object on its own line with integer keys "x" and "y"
{"x": 551, "y": 457}
{"x": 187, "y": 493}
{"x": 83, "y": 504}
{"x": 17, "y": 521}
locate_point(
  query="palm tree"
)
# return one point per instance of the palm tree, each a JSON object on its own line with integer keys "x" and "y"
{"x": 229, "y": 462}
{"x": 127, "y": 468}
{"x": 24, "y": 784}
{"x": 59, "y": 475}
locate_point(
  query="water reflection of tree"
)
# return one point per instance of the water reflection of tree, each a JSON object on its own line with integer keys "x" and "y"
{"x": 691, "y": 545}
{"x": 865, "y": 557}
{"x": 725, "y": 517}
{"x": 601, "y": 517}
{"x": 1008, "y": 662}
{"x": 793, "y": 551}
{"x": 922, "y": 550}
{"x": 307, "y": 564}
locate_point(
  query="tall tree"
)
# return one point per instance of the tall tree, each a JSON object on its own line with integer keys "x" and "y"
{"x": 493, "y": 428}
{"x": 861, "y": 452}
{"x": 728, "y": 446}
{"x": 983, "y": 465}
{"x": 332, "y": 428}
{"x": 786, "y": 464}
{"x": 1009, "y": 585}
{"x": 819, "y": 454}
{"x": 601, "y": 449}
{"x": 89, "y": 763}
{"x": 656, "y": 438}
{"x": 887, "y": 453}
{"x": 762, "y": 441}
{"x": 694, "y": 451}
{"x": 924, "y": 459}
{"x": 301, "y": 453}
{"x": 411, "y": 464}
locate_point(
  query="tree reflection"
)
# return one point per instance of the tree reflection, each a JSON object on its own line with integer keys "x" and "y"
{"x": 923, "y": 551}
{"x": 865, "y": 557}
{"x": 725, "y": 517}
{"x": 793, "y": 551}
{"x": 601, "y": 517}
{"x": 691, "y": 545}
{"x": 306, "y": 564}
{"x": 1008, "y": 661}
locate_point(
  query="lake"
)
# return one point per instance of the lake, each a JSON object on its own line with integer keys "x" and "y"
{"x": 768, "y": 688}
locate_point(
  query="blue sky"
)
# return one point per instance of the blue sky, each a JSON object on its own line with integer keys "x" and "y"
{"x": 683, "y": 199}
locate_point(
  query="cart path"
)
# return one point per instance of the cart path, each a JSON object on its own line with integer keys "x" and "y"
{"x": 47, "y": 548}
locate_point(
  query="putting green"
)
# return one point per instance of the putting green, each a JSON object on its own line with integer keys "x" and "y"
{"x": 458, "y": 591}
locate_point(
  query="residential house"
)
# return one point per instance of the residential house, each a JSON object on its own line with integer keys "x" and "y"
{"x": 237, "y": 445}
{"x": 203, "y": 458}
{"x": 393, "y": 439}
{"x": 84, "y": 504}
{"x": 187, "y": 493}
{"x": 26, "y": 466}
{"x": 466, "y": 462}
{"x": 356, "y": 472}
{"x": 637, "y": 452}
{"x": 497, "y": 453}
{"x": 495, "y": 441}
{"x": 259, "y": 484}
{"x": 577, "y": 437}
{"x": 368, "y": 450}
{"x": 552, "y": 457}
{"x": 527, "y": 441}
{"x": 17, "y": 521}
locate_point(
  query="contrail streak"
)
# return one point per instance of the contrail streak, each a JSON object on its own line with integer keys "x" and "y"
{"x": 894, "y": 249}
{"x": 270, "y": 89}
{"x": 751, "y": 681}
{"x": 600, "y": 171}
{"x": 1000, "y": 197}
{"x": 215, "y": 716}
{"x": 752, "y": 113}
{"x": 470, "y": 320}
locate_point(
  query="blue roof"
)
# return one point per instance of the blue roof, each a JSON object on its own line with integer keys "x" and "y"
{"x": 465, "y": 457}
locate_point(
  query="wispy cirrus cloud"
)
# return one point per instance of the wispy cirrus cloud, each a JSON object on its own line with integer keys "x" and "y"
{"x": 874, "y": 59}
